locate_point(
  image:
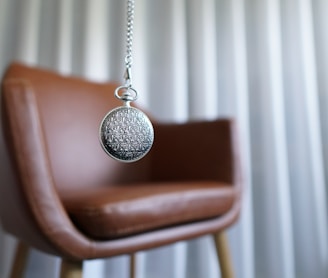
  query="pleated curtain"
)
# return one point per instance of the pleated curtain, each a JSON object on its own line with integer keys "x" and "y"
{"x": 262, "y": 62}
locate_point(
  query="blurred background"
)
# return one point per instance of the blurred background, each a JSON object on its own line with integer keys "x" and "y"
{"x": 263, "y": 62}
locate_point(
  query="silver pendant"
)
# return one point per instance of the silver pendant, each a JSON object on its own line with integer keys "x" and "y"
{"x": 126, "y": 133}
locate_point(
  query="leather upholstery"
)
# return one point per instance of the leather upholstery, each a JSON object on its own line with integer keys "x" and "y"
{"x": 117, "y": 211}
{"x": 187, "y": 186}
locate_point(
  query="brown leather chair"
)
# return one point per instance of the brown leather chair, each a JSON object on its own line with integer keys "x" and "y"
{"x": 70, "y": 199}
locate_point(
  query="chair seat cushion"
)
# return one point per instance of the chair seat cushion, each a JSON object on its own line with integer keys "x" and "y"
{"x": 118, "y": 211}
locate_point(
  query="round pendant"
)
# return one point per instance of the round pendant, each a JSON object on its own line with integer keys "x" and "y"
{"x": 126, "y": 134}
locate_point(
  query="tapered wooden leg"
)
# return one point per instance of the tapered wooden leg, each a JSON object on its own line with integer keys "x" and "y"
{"x": 222, "y": 249}
{"x": 20, "y": 259}
{"x": 71, "y": 269}
{"x": 132, "y": 265}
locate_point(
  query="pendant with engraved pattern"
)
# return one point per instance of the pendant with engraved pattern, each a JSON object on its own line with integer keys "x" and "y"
{"x": 126, "y": 133}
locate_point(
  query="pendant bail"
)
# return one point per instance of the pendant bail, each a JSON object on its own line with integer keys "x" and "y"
{"x": 128, "y": 77}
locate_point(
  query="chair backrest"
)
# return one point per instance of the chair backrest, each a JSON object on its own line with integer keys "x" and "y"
{"x": 70, "y": 111}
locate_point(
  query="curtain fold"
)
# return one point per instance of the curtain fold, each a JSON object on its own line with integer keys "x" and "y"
{"x": 270, "y": 162}
{"x": 263, "y": 62}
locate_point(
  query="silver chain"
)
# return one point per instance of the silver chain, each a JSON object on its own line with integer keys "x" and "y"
{"x": 129, "y": 40}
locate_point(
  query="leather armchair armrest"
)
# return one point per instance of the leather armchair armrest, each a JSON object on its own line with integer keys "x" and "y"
{"x": 195, "y": 151}
{"x": 40, "y": 218}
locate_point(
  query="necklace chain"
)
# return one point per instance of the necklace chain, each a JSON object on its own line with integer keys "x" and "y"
{"x": 129, "y": 35}
{"x": 128, "y": 57}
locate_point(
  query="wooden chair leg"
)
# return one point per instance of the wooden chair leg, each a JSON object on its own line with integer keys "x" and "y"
{"x": 222, "y": 249}
{"x": 132, "y": 265}
{"x": 70, "y": 269}
{"x": 20, "y": 259}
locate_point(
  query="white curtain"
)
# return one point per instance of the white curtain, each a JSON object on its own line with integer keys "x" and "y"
{"x": 263, "y": 62}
